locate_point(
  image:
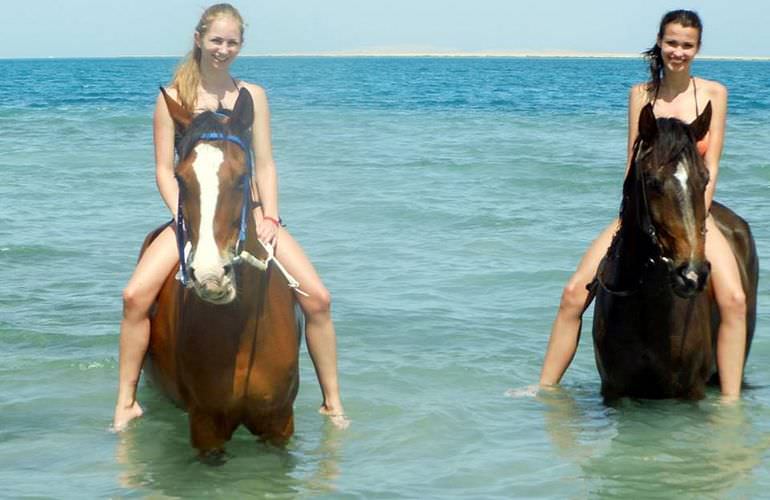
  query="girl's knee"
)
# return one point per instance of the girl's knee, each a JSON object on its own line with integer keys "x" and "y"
{"x": 318, "y": 303}
{"x": 733, "y": 304}
{"x": 135, "y": 302}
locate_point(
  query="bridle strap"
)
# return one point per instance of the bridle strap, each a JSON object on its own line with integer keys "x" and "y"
{"x": 644, "y": 220}
{"x": 181, "y": 238}
{"x": 643, "y": 210}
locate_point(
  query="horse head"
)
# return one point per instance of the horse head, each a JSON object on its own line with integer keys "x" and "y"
{"x": 666, "y": 188}
{"x": 213, "y": 173}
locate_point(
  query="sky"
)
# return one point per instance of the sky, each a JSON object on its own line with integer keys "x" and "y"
{"x": 109, "y": 28}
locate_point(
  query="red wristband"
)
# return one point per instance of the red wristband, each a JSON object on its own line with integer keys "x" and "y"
{"x": 273, "y": 220}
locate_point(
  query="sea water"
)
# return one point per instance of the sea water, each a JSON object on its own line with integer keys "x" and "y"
{"x": 445, "y": 202}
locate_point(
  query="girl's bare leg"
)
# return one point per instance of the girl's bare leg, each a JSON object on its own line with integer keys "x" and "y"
{"x": 140, "y": 292}
{"x": 728, "y": 290}
{"x": 319, "y": 328}
{"x": 564, "y": 332}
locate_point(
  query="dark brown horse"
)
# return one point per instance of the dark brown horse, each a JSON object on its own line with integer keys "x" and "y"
{"x": 655, "y": 318}
{"x": 226, "y": 347}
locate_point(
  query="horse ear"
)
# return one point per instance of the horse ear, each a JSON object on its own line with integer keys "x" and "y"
{"x": 177, "y": 112}
{"x": 648, "y": 127}
{"x": 700, "y": 126}
{"x": 243, "y": 111}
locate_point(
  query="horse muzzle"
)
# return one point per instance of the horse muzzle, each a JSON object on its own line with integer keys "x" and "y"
{"x": 690, "y": 278}
{"x": 214, "y": 287}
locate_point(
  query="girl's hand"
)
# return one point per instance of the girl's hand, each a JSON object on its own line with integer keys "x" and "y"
{"x": 267, "y": 230}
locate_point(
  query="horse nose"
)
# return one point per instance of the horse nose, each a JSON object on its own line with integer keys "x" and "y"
{"x": 692, "y": 277}
{"x": 211, "y": 286}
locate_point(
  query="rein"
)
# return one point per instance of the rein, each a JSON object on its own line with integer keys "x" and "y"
{"x": 241, "y": 254}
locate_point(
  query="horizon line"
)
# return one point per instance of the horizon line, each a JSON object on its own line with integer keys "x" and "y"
{"x": 544, "y": 54}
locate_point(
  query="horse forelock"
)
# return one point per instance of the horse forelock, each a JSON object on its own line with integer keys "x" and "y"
{"x": 208, "y": 122}
{"x": 673, "y": 147}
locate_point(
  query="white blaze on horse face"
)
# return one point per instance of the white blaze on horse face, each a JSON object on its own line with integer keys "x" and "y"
{"x": 688, "y": 213}
{"x": 207, "y": 261}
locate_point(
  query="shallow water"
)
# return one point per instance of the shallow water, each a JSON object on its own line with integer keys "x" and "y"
{"x": 445, "y": 202}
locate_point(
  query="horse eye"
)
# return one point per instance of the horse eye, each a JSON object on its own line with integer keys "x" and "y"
{"x": 654, "y": 184}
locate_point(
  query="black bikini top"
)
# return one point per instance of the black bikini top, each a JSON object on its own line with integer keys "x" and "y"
{"x": 179, "y": 131}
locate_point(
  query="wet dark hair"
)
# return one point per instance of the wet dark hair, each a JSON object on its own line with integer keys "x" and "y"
{"x": 688, "y": 19}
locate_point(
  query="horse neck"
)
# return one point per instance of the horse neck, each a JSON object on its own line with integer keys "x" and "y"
{"x": 631, "y": 254}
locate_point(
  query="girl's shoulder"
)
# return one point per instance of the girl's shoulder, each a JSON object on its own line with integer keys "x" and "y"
{"x": 256, "y": 91}
{"x": 172, "y": 92}
{"x": 258, "y": 95}
{"x": 712, "y": 88}
{"x": 641, "y": 93}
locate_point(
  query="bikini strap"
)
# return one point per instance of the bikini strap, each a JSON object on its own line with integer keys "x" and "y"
{"x": 695, "y": 95}
{"x": 221, "y": 108}
{"x": 655, "y": 97}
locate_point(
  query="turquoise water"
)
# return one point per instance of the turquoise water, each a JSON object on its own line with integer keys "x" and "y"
{"x": 445, "y": 202}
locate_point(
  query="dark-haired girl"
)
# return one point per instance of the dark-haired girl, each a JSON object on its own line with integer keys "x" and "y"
{"x": 675, "y": 93}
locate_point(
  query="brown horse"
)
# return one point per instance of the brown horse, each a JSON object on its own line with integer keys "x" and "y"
{"x": 655, "y": 318}
{"x": 226, "y": 347}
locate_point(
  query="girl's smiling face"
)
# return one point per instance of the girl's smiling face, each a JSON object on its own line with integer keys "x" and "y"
{"x": 678, "y": 46}
{"x": 220, "y": 44}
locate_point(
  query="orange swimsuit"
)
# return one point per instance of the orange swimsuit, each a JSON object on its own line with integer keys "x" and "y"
{"x": 703, "y": 145}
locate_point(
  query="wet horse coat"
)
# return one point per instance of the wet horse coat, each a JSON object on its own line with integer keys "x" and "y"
{"x": 655, "y": 318}
{"x": 225, "y": 349}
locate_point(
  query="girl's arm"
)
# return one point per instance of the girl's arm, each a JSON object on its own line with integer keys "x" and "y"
{"x": 163, "y": 137}
{"x": 718, "y": 95}
{"x": 265, "y": 180}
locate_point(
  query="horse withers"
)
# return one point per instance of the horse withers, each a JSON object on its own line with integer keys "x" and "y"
{"x": 656, "y": 318}
{"x": 225, "y": 348}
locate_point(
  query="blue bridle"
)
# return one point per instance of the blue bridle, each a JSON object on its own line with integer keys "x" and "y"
{"x": 181, "y": 231}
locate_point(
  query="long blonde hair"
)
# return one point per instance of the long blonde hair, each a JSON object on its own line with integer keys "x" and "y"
{"x": 187, "y": 76}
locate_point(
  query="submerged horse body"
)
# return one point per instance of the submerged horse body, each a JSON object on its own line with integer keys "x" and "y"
{"x": 225, "y": 348}
{"x": 656, "y": 318}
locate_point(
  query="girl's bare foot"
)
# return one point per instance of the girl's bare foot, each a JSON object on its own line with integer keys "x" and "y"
{"x": 336, "y": 415}
{"x": 124, "y": 414}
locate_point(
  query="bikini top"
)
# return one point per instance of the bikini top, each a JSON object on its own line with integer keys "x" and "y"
{"x": 702, "y": 145}
{"x": 179, "y": 131}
